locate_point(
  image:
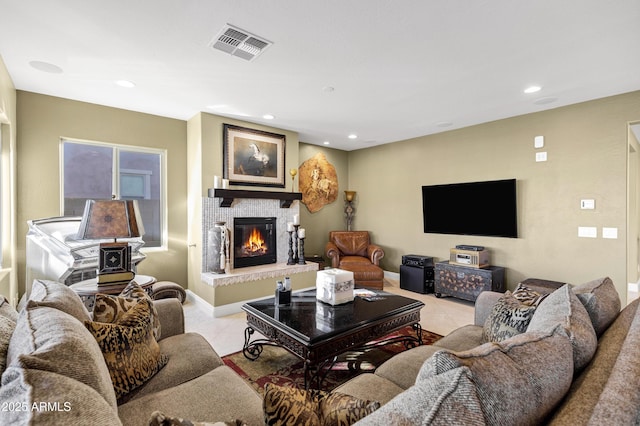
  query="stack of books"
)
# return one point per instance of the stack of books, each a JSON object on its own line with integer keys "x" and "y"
{"x": 114, "y": 268}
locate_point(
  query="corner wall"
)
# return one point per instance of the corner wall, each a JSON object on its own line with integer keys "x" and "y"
{"x": 587, "y": 154}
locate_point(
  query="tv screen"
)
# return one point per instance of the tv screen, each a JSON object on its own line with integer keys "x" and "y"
{"x": 474, "y": 208}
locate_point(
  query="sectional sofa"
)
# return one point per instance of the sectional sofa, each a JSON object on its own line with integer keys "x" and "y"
{"x": 576, "y": 363}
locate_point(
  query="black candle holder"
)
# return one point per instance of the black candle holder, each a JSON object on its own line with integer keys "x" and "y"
{"x": 295, "y": 244}
{"x": 291, "y": 260}
{"x": 301, "y": 258}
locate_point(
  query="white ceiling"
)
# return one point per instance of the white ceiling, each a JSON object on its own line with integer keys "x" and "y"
{"x": 399, "y": 69}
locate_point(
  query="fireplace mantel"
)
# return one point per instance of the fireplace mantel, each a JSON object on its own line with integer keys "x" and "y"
{"x": 228, "y": 195}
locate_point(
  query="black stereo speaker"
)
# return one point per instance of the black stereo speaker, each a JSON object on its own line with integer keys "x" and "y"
{"x": 418, "y": 279}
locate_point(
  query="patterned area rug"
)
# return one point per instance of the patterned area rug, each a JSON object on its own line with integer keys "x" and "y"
{"x": 277, "y": 365}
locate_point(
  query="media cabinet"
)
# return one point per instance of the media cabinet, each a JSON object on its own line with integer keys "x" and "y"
{"x": 465, "y": 282}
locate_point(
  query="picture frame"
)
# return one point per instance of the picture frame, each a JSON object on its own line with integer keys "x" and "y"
{"x": 253, "y": 157}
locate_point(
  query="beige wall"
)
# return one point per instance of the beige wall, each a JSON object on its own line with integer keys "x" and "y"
{"x": 330, "y": 217}
{"x": 8, "y": 276}
{"x": 587, "y": 158}
{"x": 45, "y": 119}
{"x": 205, "y": 140}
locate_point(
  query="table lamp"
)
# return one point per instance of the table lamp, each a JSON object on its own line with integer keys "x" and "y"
{"x": 115, "y": 219}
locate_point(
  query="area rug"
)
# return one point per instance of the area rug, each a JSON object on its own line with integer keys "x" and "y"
{"x": 277, "y": 365}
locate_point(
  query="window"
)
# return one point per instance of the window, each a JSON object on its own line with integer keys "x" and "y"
{"x": 93, "y": 170}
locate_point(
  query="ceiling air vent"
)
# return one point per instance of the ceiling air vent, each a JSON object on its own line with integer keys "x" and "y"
{"x": 240, "y": 43}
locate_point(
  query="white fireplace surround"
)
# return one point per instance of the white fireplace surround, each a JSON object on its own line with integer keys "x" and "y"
{"x": 249, "y": 207}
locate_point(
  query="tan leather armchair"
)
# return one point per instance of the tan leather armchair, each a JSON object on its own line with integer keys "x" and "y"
{"x": 353, "y": 251}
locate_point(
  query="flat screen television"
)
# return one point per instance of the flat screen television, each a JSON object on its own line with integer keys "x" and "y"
{"x": 474, "y": 208}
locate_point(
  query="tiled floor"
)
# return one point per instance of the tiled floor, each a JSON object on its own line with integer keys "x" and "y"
{"x": 226, "y": 334}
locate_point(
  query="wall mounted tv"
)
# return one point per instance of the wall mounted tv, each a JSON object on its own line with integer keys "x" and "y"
{"x": 474, "y": 208}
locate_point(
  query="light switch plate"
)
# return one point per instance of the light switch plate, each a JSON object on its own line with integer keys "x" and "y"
{"x": 541, "y": 156}
{"x": 611, "y": 233}
{"x": 538, "y": 142}
{"x": 588, "y": 204}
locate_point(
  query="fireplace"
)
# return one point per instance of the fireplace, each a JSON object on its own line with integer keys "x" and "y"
{"x": 254, "y": 241}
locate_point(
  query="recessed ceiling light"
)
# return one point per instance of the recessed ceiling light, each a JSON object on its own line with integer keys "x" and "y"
{"x": 326, "y": 143}
{"x": 46, "y": 67}
{"x": 532, "y": 89}
{"x": 444, "y": 124}
{"x": 328, "y": 89}
{"x": 268, "y": 116}
{"x": 353, "y": 136}
{"x": 125, "y": 83}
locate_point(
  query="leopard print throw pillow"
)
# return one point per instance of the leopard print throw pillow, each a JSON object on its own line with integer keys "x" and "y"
{"x": 293, "y": 406}
{"x": 109, "y": 309}
{"x": 130, "y": 350}
{"x": 511, "y": 314}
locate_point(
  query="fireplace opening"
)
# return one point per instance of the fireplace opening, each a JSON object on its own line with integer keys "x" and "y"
{"x": 254, "y": 241}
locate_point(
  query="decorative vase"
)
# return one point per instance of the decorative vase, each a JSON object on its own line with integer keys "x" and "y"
{"x": 218, "y": 250}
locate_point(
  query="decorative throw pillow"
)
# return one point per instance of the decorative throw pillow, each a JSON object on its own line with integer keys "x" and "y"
{"x": 601, "y": 300}
{"x": 110, "y": 308}
{"x": 160, "y": 419}
{"x": 293, "y": 406}
{"x": 48, "y": 339}
{"x": 511, "y": 314}
{"x": 563, "y": 307}
{"x": 449, "y": 398}
{"x": 131, "y": 352}
{"x": 518, "y": 381}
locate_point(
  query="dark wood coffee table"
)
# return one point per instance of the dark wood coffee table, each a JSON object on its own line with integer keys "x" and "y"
{"x": 317, "y": 332}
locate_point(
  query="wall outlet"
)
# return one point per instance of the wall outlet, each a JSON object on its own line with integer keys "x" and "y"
{"x": 541, "y": 156}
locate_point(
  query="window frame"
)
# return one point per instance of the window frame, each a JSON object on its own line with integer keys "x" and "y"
{"x": 162, "y": 153}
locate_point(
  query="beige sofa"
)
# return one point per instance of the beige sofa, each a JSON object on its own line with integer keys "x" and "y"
{"x": 577, "y": 363}
{"x": 55, "y": 371}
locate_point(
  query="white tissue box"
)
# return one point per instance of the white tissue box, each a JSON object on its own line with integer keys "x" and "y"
{"x": 334, "y": 286}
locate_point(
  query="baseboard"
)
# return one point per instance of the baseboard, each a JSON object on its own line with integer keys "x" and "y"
{"x": 202, "y": 304}
{"x": 392, "y": 275}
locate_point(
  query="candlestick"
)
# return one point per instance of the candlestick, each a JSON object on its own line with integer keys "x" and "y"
{"x": 301, "y": 233}
{"x": 291, "y": 260}
{"x": 296, "y": 219}
{"x": 295, "y": 243}
{"x": 301, "y": 258}
{"x": 289, "y": 227}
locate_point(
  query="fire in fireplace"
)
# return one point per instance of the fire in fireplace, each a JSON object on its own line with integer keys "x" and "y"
{"x": 254, "y": 241}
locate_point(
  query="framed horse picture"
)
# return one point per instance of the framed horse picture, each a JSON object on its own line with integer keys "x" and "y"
{"x": 253, "y": 157}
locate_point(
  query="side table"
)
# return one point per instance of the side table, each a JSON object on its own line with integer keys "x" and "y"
{"x": 88, "y": 289}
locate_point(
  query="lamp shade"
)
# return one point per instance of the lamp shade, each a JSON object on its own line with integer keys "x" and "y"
{"x": 110, "y": 219}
